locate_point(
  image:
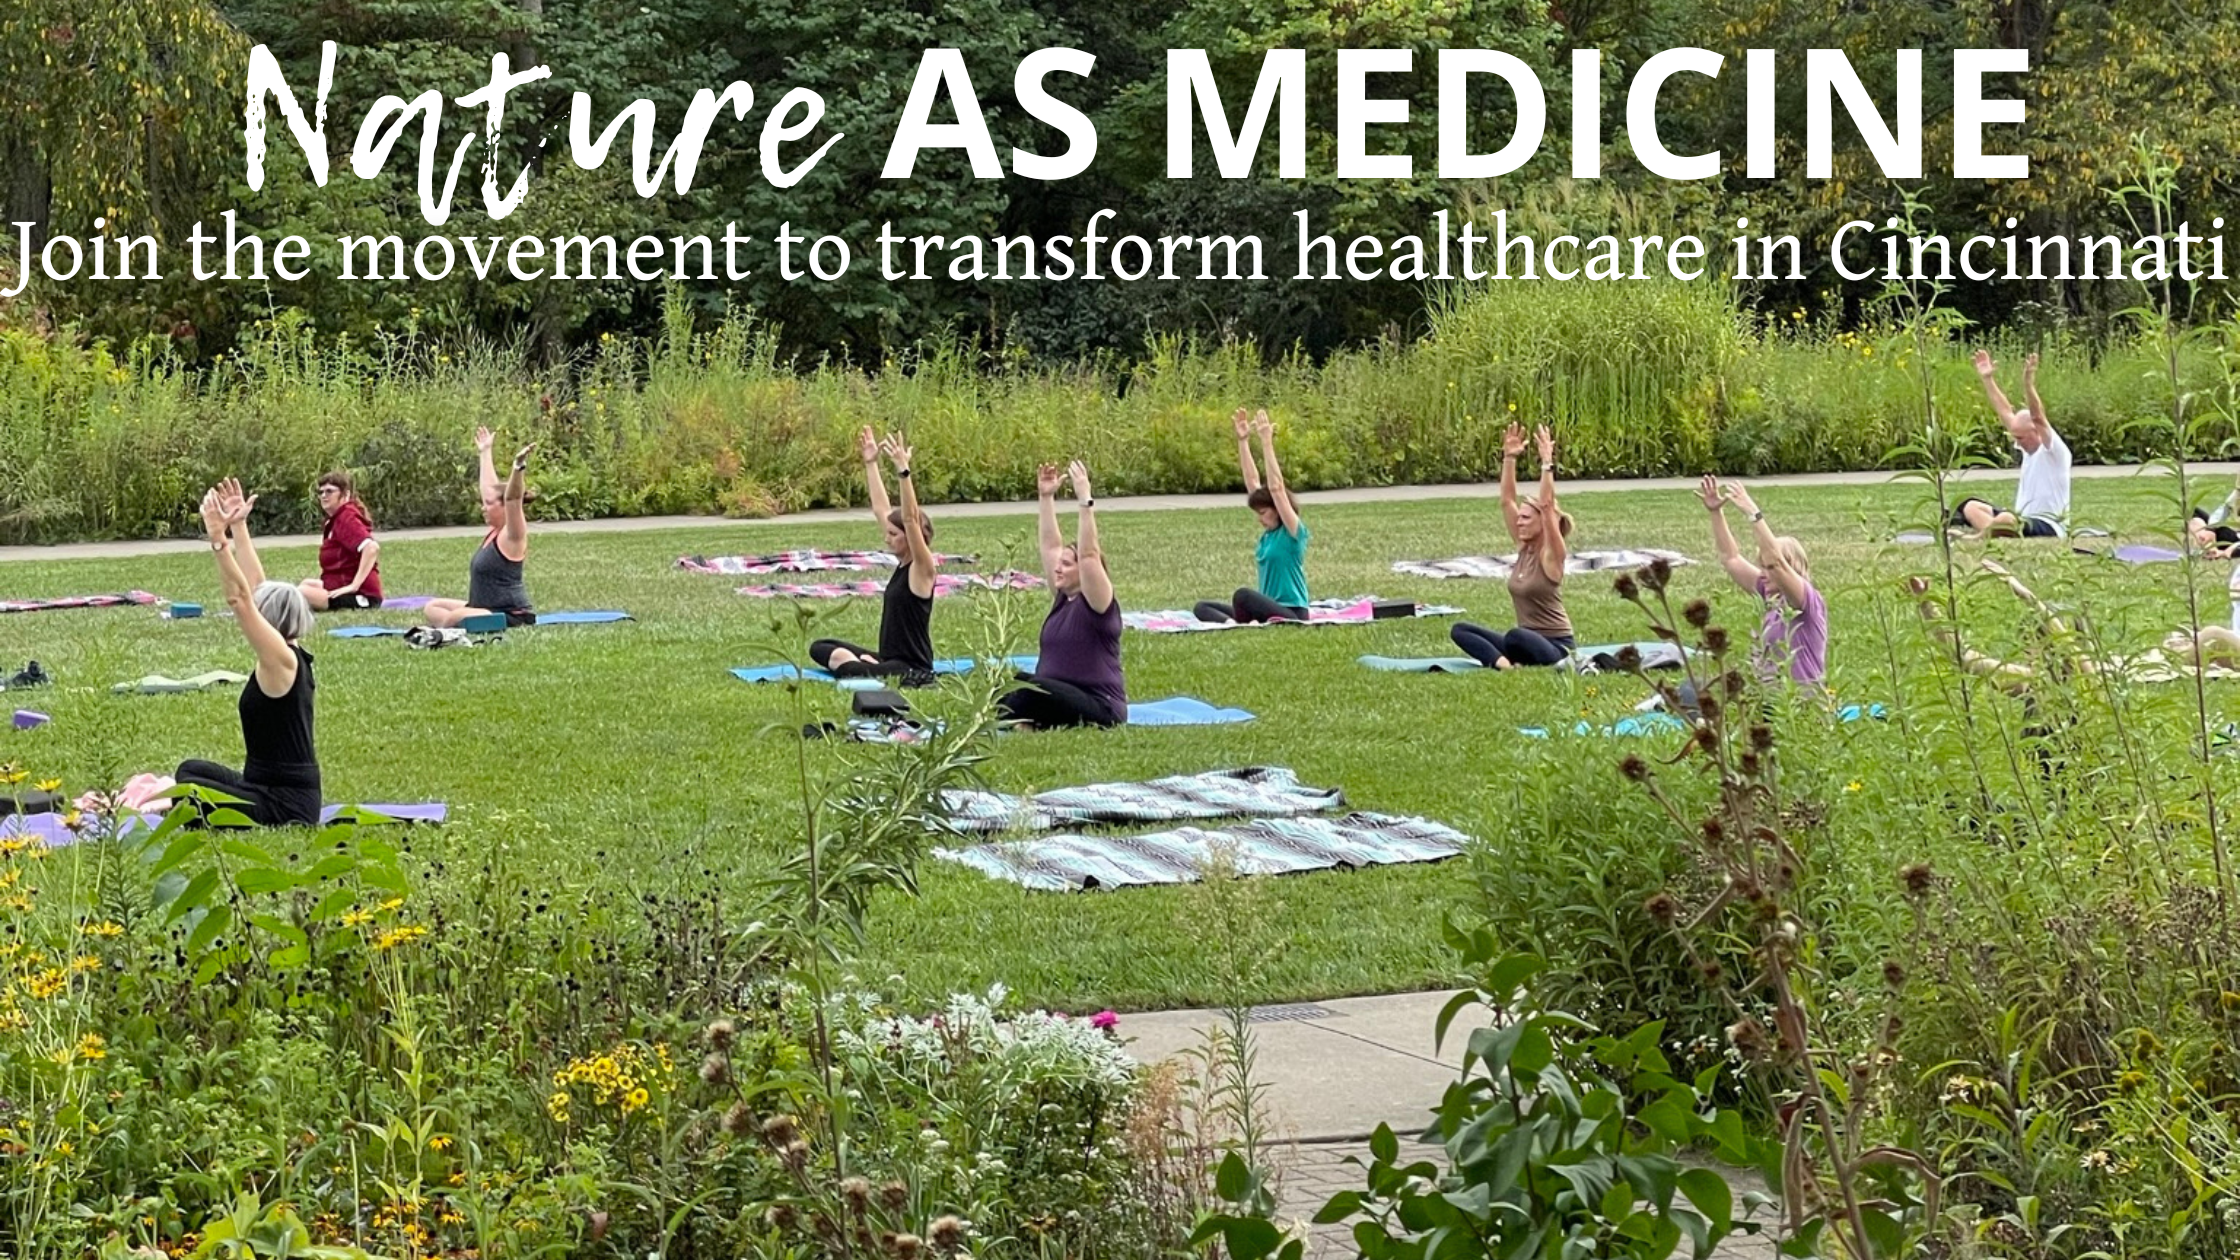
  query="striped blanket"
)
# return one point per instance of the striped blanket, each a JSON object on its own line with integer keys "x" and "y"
{"x": 76, "y": 601}
{"x": 1322, "y": 612}
{"x": 1270, "y": 846}
{"x": 1499, "y": 567}
{"x": 1253, "y": 792}
{"x": 805, "y": 560}
{"x": 945, "y": 584}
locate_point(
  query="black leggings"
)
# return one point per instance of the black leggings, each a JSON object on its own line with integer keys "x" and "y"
{"x": 821, "y": 652}
{"x": 266, "y": 805}
{"x": 1045, "y": 703}
{"x": 1248, "y": 605}
{"x": 1518, "y": 646}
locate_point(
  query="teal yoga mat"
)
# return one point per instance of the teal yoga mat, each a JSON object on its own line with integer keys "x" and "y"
{"x": 1421, "y": 664}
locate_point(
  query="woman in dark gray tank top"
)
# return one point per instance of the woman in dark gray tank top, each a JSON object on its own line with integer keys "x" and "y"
{"x": 494, "y": 582}
{"x": 906, "y": 612}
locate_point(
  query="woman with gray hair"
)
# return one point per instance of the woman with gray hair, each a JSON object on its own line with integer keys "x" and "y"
{"x": 278, "y": 783}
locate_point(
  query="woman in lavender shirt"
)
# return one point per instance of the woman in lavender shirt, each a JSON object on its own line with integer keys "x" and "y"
{"x": 1078, "y": 680}
{"x": 1794, "y": 637}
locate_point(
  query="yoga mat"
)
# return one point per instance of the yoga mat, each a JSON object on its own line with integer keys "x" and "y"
{"x": 543, "y": 619}
{"x": 1421, "y": 664}
{"x": 406, "y": 603}
{"x": 1272, "y": 846}
{"x": 2139, "y": 553}
{"x": 786, "y": 673}
{"x": 945, "y": 584}
{"x": 1252, "y": 792}
{"x": 1182, "y": 711}
{"x": 158, "y": 684}
{"x": 30, "y": 719}
{"x": 1323, "y": 612}
{"x": 77, "y": 601}
{"x": 1645, "y": 724}
{"x": 49, "y": 828}
{"x": 1499, "y": 567}
{"x": 805, "y": 560}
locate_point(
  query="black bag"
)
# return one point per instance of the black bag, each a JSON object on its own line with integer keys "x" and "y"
{"x": 1386, "y": 609}
{"x": 880, "y": 704}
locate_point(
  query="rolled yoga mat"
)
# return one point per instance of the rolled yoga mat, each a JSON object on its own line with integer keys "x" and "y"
{"x": 158, "y": 684}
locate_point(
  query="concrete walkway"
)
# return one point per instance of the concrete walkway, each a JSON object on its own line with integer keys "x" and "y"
{"x": 1139, "y": 503}
{"x": 1334, "y": 1071}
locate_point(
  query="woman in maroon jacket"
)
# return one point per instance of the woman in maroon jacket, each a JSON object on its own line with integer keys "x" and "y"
{"x": 349, "y": 556}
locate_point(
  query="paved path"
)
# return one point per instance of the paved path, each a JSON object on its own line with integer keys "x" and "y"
{"x": 1334, "y": 1071}
{"x": 1139, "y": 503}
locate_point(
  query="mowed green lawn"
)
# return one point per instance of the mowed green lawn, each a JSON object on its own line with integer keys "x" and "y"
{"x": 656, "y": 771}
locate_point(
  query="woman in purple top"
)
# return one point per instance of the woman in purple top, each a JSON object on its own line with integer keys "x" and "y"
{"x": 1078, "y": 681}
{"x": 1795, "y": 633}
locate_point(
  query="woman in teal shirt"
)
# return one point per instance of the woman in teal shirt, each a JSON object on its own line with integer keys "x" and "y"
{"x": 1282, "y": 553}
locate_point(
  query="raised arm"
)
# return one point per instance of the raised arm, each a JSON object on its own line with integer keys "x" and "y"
{"x": 2000, "y": 407}
{"x": 913, "y": 524}
{"x": 2038, "y": 417}
{"x": 1738, "y": 567}
{"x": 1286, "y": 510}
{"x": 867, "y": 446}
{"x": 1794, "y": 586}
{"x": 236, "y": 507}
{"x": 513, "y": 527}
{"x": 1096, "y": 582}
{"x": 1046, "y": 511}
{"x": 224, "y": 518}
{"x": 1512, "y": 446}
{"x": 1245, "y": 465}
{"x": 1554, "y": 551}
{"x": 491, "y": 488}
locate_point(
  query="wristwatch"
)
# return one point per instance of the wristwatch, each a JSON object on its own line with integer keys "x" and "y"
{"x": 1757, "y": 516}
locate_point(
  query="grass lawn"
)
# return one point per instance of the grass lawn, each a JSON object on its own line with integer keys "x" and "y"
{"x": 654, "y": 770}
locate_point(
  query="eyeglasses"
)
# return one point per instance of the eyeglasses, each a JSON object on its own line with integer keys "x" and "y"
{"x": 324, "y": 491}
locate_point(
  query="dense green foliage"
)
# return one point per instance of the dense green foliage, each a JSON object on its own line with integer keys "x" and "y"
{"x": 131, "y": 113}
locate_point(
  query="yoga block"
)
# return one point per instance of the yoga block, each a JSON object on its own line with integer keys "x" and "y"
{"x": 487, "y": 623}
{"x": 880, "y": 703}
{"x": 26, "y": 719}
{"x": 181, "y": 612}
{"x": 1386, "y": 609}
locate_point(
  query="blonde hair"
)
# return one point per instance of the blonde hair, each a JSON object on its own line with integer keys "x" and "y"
{"x": 1792, "y": 554}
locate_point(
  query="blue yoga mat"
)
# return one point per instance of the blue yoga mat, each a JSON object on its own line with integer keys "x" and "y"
{"x": 1645, "y": 724}
{"x": 785, "y": 673}
{"x": 543, "y": 619}
{"x": 1421, "y": 664}
{"x": 1182, "y": 711}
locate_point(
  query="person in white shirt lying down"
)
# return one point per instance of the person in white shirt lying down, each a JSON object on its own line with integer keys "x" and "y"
{"x": 2041, "y": 502}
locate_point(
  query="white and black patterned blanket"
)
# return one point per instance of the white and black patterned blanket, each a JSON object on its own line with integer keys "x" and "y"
{"x": 1252, "y": 792}
{"x": 1499, "y": 567}
{"x": 1270, "y": 846}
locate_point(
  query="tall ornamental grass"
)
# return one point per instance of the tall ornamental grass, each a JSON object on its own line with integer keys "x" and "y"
{"x": 1636, "y": 380}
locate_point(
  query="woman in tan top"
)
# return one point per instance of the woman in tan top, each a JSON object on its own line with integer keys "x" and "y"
{"x": 1542, "y": 635}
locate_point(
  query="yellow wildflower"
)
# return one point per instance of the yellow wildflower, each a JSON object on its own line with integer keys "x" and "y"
{"x": 357, "y": 918}
{"x": 92, "y": 1046}
{"x": 636, "y": 1099}
{"x": 440, "y": 1142}
{"x": 400, "y": 936}
{"x": 47, "y": 785}
{"x": 103, "y": 928}
{"x": 1853, "y": 786}
{"x": 557, "y": 1107}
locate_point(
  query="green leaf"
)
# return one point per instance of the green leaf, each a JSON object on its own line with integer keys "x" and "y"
{"x": 214, "y": 922}
{"x": 1343, "y": 1204}
{"x": 1384, "y": 1145}
{"x": 1710, "y": 1193}
{"x": 1669, "y": 1118}
{"x": 1233, "y": 1180}
{"x": 194, "y": 896}
{"x": 256, "y": 881}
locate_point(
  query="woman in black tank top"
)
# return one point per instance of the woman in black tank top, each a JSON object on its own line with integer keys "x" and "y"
{"x": 906, "y": 610}
{"x": 494, "y": 582}
{"x": 278, "y": 784}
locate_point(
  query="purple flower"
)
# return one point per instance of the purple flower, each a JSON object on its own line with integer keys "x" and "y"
{"x": 1104, "y": 1021}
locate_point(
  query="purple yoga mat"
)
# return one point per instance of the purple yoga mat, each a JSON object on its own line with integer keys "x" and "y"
{"x": 405, "y": 603}
{"x": 2139, "y": 553}
{"x": 49, "y": 828}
